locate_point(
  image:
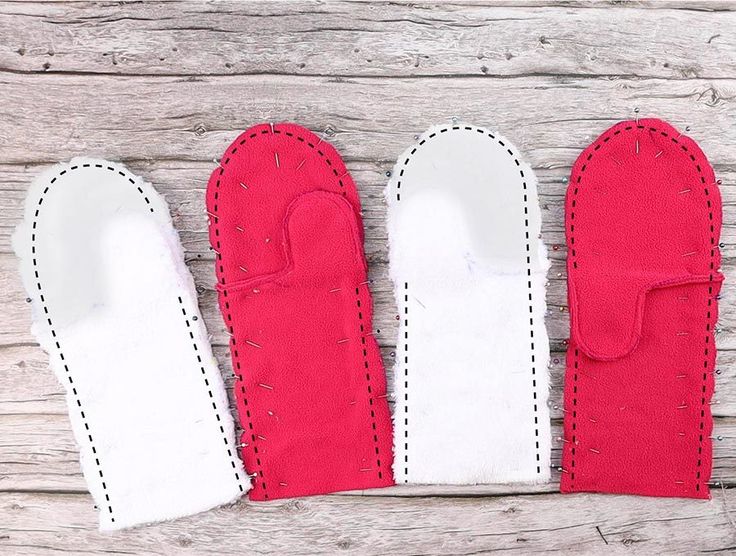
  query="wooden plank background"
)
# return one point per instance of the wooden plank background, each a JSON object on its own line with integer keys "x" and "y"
{"x": 165, "y": 87}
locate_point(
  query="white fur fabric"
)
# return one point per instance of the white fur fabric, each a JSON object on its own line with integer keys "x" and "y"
{"x": 116, "y": 309}
{"x": 469, "y": 273}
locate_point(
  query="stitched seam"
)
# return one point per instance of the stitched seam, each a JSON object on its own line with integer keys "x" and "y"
{"x": 209, "y": 393}
{"x": 708, "y": 334}
{"x": 574, "y": 425}
{"x": 45, "y": 308}
{"x": 221, "y": 272}
{"x": 368, "y": 381}
{"x": 516, "y": 160}
{"x": 406, "y": 382}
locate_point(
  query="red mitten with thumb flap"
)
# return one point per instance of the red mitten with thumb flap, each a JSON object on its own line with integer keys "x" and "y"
{"x": 293, "y": 290}
{"x": 643, "y": 220}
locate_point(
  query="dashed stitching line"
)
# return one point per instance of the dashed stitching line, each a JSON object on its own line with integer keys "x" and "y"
{"x": 708, "y": 334}
{"x": 209, "y": 393}
{"x": 528, "y": 273}
{"x": 77, "y": 400}
{"x": 369, "y": 383}
{"x": 233, "y": 342}
{"x": 406, "y": 382}
{"x": 48, "y": 318}
{"x": 574, "y": 417}
{"x": 221, "y": 271}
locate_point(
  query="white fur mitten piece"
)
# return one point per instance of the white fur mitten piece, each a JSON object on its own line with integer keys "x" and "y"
{"x": 115, "y": 307}
{"x": 469, "y": 274}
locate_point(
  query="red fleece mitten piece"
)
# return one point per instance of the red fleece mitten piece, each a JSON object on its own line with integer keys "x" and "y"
{"x": 643, "y": 220}
{"x": 311, "y": 388}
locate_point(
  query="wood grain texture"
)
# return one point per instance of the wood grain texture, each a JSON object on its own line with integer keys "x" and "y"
{"x": 165, "y": 87}
{"x": 365, "y": 39}
{"x": 420, "y": 525}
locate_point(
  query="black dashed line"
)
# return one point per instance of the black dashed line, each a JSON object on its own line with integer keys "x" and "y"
{"x": 368, "y": 380}
{"x": 221, "y": 276}
{"x": 708, "y": 332}
{"x": 209, "y": 393}
{"x": 517, "y": 162}
{"x": 406, "y": 382}
{"x": 75, "y": 394}
{"x": 53, "y": 332}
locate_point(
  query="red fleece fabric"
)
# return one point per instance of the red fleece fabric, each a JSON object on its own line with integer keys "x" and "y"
{"x": 643, "y": 220}
{"x": 310, "y": 384}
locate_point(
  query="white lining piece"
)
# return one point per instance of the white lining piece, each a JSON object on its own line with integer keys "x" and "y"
{"x": 115, "y": 307}
{"x": 469, "y": 272}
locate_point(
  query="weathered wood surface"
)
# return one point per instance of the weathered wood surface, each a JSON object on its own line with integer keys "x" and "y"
{"x": 386, "y": 40}
{"x": 337, "y": 524}
{"x": 165, "y": 87}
